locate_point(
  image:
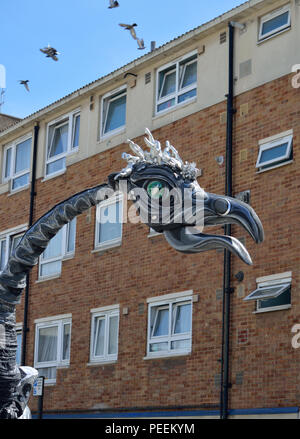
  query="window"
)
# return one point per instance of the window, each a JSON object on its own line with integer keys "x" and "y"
{"x": 275, "y": 22}
{"x": 170, "y": 324}
{"x": 104, "y": 334}
{"x": 272, "y": 293}
{"x": 275, "y": 152}
{"x": 19, "y": 344}
{"x": 62, "y": 139}
{"x": 60, "y": 247}
{"x": 16, "y": 163}
{"x": 8, "y": 242}
{"x": 113, "y": 112}
{"x": 52, "y": 346}
{"x": 176, "y": 83}
{"x": 109, "y": 215}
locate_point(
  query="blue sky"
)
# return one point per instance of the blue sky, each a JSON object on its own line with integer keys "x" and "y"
{"x": 90, "y": 41}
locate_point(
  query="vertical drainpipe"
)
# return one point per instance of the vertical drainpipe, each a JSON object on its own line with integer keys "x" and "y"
{"x": 227, "y": 289}
{"x": 30, "y": 222}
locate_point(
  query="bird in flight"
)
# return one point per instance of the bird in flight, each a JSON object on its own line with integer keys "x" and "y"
{"x": 25, "y": 83}
{"x": 113, "y": 4}
{"x": 130, "y": 27}
{"x": 50, "y": 52}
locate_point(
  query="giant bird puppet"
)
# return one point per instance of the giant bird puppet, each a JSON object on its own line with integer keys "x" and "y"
{"x": 157, "y": 172}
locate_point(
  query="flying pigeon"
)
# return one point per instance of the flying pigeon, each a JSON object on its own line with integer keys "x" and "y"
{"x": 140, "y": 44}
{"x": 130, "y": 27}
{"x": 113, "y": 4}
{"x": 50, "y": 52}
{"x": 25, "y": 83}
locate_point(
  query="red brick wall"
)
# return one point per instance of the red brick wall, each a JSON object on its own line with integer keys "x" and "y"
{"x": 143, "y": 268}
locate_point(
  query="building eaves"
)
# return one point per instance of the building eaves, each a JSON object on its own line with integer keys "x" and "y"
{"x": 199, "y": 31}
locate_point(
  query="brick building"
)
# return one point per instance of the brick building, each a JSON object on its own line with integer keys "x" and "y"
{"x": 104, "y": 302}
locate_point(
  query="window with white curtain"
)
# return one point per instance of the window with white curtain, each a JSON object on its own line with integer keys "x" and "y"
{"x": 170, "y": 324}
{"x": 52, "y": 346}
{"x": 104, "y": 334}
{"x": 16, "y": 163}
{"x": 60, "y": 247}
{"x": 113, "y": 112}
{"x": 176, "y": 82}
{"x": 62, "y": 139}
{"x": 109, "y": 216}
{"x": 8, "y": 242}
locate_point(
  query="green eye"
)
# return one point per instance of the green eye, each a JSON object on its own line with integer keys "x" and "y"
{"x": 155, "y": 189}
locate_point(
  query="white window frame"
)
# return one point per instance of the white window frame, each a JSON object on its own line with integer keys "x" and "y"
{"x": 65, "y": 254}
{"x": 280, "y": 279}
{"x": 69, "y": 119}
{"x": 10, "y": 234}
{"x": 169, "y": 301}
{"x": 111, "y": 96}
{"x": 265, "y": 145}
{"x": 112, "y": 242}
{"x": 12, "y": 175}
{"x": 19, "y": 330}
{"x": 59, "y": 322}
{"x": 106, "y": 313}
{"x": 178, "y": 83}
{"x": 269, "y": 17}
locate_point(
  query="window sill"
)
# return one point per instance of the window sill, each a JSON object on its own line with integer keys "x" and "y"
{"x": 101, "y": 363}
{"x": 171, "y": 355}
{"x": 44, "y": 279}
{"x": 56, "y": 174}
{"x": 152, "y": 235}
{"x": 174, "y": 108}
{"x": 23, "y": 188}
{"x": 274, "y": 308}
{"x": 274, "y": 167}
{"x": 107, "y": 247}
{"x": 107, "y": 136}
{"x": 63, "y": 366}
{"x": 261, "y": 41}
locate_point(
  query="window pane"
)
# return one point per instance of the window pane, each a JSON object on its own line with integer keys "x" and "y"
{"x": 282, "y": 299}
{"x": 22, "y": 161}
{"x": 66, "y": 341}
{"x": 275, "y": 23}
{"x": 2, "y": 254}
{"x": 15, "y": 242}
{"x": 71, "y": 236}
{"x": 161, "y": 322}
{"x": 190, "y": 74}
{"x": 110, "y": 226}
{"x": 47, "y": 344}
{"x": 99, "y": 336}
{"x": 47, "y": 372}
{"x": 59, "y": 140}
{"x": 50, "y": 268}
{"x": 56, "y": 166}
{"x": 276, "y": 152}
{"x": 54, "y": 247}
{"x": 168, "y": 83}
{"x": 116, "y": 114}
{"x": 182, "y": 318}
{"x": 19, "y": 345}
{"x": 166, "y": 105}
{"x": 113, "y": 335}
{"x": 155, "y": 347}
{"x": 8, "y": 162}
{"x": 181, "y": 344}
{"x": 188, "y": 95}
{"x": 76, "y": 126}
{"x": 20, "y": 181}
